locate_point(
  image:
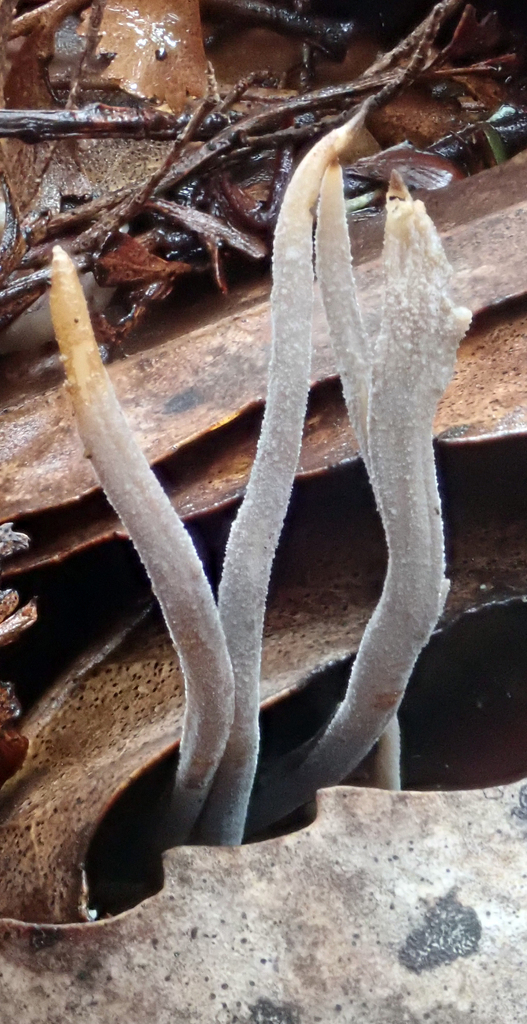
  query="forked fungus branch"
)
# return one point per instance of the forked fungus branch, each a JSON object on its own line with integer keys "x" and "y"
{"x": 392, "y": 385}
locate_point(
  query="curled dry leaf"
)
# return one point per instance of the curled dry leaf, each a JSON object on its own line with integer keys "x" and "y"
{"x": 119, "y": 711}
{"x": 157, "y": 53}
{"x": 198, "y": 379}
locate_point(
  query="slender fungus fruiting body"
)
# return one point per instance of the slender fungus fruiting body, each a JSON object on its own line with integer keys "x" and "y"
{"x": 351, "y": 344}
{"x": 256, "y": 531}
{"x": 162, "y": 542}
{"x": 392, "y": 385}
{"x": 387, "y": 767}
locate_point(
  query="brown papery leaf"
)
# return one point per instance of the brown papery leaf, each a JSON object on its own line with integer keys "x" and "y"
{"x": 119, "y": 711}
{"x": 131, "y": 263}
{"x": 158, "y": 49}
{"x": 390, "y": 886}
{"x": 40, "y": 174}
{"x": 179, "y": 389}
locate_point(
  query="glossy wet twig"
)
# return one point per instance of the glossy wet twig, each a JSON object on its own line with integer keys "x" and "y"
{"x": 331, "y": 33}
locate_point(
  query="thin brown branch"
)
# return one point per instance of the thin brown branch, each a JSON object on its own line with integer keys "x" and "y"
{"x": 92, "y": 121}
{"x": 494, "y": 66}
{"x": 427, "y": 29}
{"x": 210, "y": 228}
{"x": 95, "y": 16}
{"x": 62, "y": 223}
{"x": 330, "y": 33}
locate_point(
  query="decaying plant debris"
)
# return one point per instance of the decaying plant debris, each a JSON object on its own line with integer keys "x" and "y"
{"x": 146, "y": 190}
{"x": 204, "y": 158}
{"x": 13, "y": 622}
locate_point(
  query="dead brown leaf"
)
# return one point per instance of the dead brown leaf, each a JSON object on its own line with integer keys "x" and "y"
{"x": 130, "y": 263}
{"x": 110, "y": 718}
{"x": 158, "y": 54}
{"x": 177, "y": 391}
{"x": 41, "y": 174}
{"x": 245, "y": 933}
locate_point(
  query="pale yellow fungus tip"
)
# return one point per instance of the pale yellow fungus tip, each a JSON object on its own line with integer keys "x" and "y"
{"x": 73, "y": 329}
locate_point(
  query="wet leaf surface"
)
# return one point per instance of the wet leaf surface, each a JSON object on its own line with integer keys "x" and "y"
{"x": 156, "y": 51}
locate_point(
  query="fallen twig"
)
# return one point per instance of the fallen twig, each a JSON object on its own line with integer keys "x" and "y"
{"x": 46, "y": 14}
{"x": 332, "y": 34}
{"x": 208, "y": 227}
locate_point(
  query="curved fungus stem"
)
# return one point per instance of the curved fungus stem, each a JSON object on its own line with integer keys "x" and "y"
{"x": 392, "y": 386}
{"x": 256, "y": 530}
{"x": 387, "y": 768}
{"x": 163, "y": 544}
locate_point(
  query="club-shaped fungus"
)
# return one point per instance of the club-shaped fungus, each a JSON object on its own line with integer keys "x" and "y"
{"x": 391, "y": 384}
{"x": 163, "y": 543}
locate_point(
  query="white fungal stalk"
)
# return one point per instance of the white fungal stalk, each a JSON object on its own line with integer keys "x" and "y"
{"x": 256, "y": 530}
{"x": 387, "y": 767}
{"x": 351, "y": 344}
{"x": 162, "y": 542}
{"x": 392, "y": 386}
